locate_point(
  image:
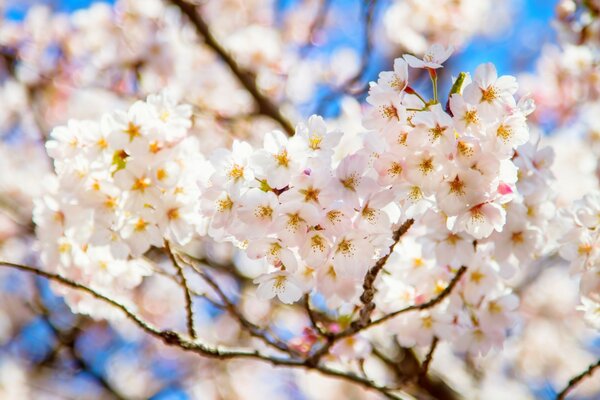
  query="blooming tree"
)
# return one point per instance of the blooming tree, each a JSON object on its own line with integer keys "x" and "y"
{"x": 393, "y": 249}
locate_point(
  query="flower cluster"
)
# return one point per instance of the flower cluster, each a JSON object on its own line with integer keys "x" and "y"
{"x": 581, "y": 247}
{"x": 319, "y": 223}
{"x": 123, "y": 184}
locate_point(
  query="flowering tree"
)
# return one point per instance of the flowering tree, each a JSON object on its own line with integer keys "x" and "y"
{"x": 403, "y": 249}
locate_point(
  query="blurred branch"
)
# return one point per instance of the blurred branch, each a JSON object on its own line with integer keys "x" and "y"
{"x": 368, "y": 12}
{"x": 428, "y": 359}
{"x": 68, "y": 341}
{"x": 348, "y": 87}
{"x": 313, "y": 318}
{"x": 576, "y": 380}
{"x": 405, "y": 366}
{"x": 9, "y": 59}
{"x": 265, "y": 105}
{"x": 317, "y": 24}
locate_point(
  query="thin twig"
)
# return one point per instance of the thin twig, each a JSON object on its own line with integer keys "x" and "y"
{"x": 68, "y": 340}
{"x": 265, "y": 105}
{"x": 428, "y": 359}
{"x": 368, "y": 12}
{"x": 355, "y": 328}
{"x": 347, "y": 86}
{"x": 252, "y": 328}
{"x": 186, "y": 290}
{"x": 431, "y": 303}
{"x": 317, "y": 24}
{"x": 576, "y": 380}
{"x": 313, "y": 319}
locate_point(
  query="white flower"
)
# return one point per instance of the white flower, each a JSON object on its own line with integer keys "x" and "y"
{"x": 275, "y": 163}
{"x": 258, "y": 209}
{"x": 433, "y": 58}
{"x": 481, "y": 220}
{"x": 396, "y": 80}
{"x": 275, "y": 251}
{"x": 313, "y": 139}
{"x": 281, "y": 284}
{"x": 315, "y": 250}
{"x": 352, "y": 348}
{"x": 232, "y": 168}
{"x": 493, "y": 95}
{"x": 352, "y": 254}
{"x": 591, "y": 311}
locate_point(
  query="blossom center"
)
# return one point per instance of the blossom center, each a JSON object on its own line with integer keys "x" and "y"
{"x": 489, "y": 94}
{"x": 236, "y": 172}
{"x": 282, "y": 158}
{"x": 132, "y": 131}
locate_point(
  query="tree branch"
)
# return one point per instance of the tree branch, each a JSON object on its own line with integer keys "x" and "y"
{"x": 265, "y": 105}
{"x": 368, "y": 285}
{"x": 317, "y": 23}
{"x": 576, "y": 380}
{"x": 355, "y": 328}
{"x": 252, "y": 328}
{"x": 313, "y": 319}
{"x": 172, "y": 338}
{"x": 186, "y": 290}
{"x": 429, "y": 304}
{"x": 68, "y": 339}
{"x": 428, "y": 359}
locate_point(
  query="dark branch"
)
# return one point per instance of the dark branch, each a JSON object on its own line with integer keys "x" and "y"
{"x": 186, "y": 291}
{"x": 172, "y": 338}
{"x": 265, "y": 105}
{"x": 576, "y": 380}
{"x": 428, "y": 359}
{"x": 355, "y": 328}
{"x": 253, "y": 329}
{"x": 368, "y": 285}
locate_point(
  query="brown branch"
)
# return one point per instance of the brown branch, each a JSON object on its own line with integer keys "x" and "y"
{"x": 428, "y": 359}
{"x": 576, "y": 380}
{"x": 186, "y": 290}
{"x": 265, "y": 105}
{"x": 68, "y": 340}
{"x": 253, "y": 329}
{"x": 318, "y": 21}
{"x": 172, "y": 338}
{"x": 9, "y": 59}
{"x": 405, "y": 366}
{"x": 347, "y": 86}
{"x": 369, "y": 10}
{"x": 313, "y": 318}
{"x": 368, "y": 285}
{"x": 429, "y": 304}
{"x": 355, "y": 328}
{"x": 146, "y": 326}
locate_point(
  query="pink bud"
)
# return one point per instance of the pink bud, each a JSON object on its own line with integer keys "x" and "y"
{"x": 503, "y": 189}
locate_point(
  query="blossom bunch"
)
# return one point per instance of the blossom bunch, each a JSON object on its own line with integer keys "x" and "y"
{"x": 581, "y": 247}
{"x": 123, "y": 184}
{"x": 319, "y": 223}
